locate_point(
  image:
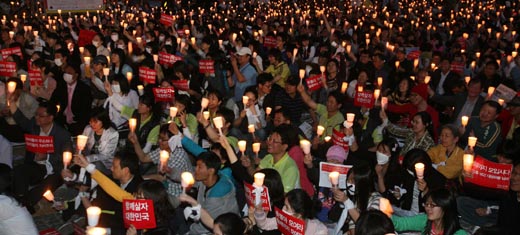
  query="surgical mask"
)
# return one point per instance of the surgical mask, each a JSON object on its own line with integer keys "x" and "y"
{"x": 148, "y": 40}
{"x": 382, "y": 158}
{"x": 149, "y": 50}
{"x": 68, "y": 78}
{"x": 96, "y": 43}
{"x": 121, "y": 46}
{"x": 334, "y": 44}
{"x": 116, "y": 88}
{"x": 58, "y": 62}
{"x": 114, "y": 37}
{"x": 161, "y": 38}
{"x": 169, "y": 43}
{"x": 351, "y": 188}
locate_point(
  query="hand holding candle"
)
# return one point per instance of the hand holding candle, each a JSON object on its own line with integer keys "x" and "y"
{"x": 320, "y": 129}
{"x": 173, "y": 112}
{"x": 419, "y": 170}
{"x": 49, "y": 196}
{"x": 205, "y": 114}
{"x": 245, "y": 100}
{"x": 306, "y": 146}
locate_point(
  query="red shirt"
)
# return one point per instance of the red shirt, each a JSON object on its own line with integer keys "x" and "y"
{"x": 412, "y": 110}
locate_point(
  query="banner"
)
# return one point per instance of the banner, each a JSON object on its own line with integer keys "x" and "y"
{"x": 166, "y": 19}
{"x": 147, "y": 75}
{"x": 39, "y": 144}
{"x": 364, "y": 99}
{"x": 288, "y": 224}
{"x": 337, "y": 139}
{"x": 206, "y": 66}
{"x": 314, "y": 83}
{"x": 163, "y": 94}
{"x": 326, "y": 168}
{"x": 85, "y": 37}
{"x": 270, "y": 42}
{"x": 181, "y": 85}
{"x": 180, "y": 33}
{"x": 490, "y": 174}
{"x": 7, "y": 68}
{"x": 168, "y": 59}
{"x": 11, "y": 51}
{"x": 35, "y": 77}
{"x": 139, "y": 213}
{"x": 250, "y": 196}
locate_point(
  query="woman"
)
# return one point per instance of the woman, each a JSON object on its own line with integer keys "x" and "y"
{"x": 441, "y": 216}
{"x": 148, "y": 189}
{"x": 335, "y": 74}
{"x": 48, "y": 85}
{"x": 300, "y": 205}
{"x": 14, "y": 219}
{"x": 228, "y": 224}
{"x": 251, "y": 114}
{"x": 419, "y": 136}
{"x": 185, "y": 118}
{"x": 118, "y": 62}
{"x": 389, "y": 171}
{"x": 119, "y": 96}
{"x": 102, "y": 140}
{"x": 374, "y": 222}
{"x": 401, "y": 96}
{"x": 361, "y": 81}
{"x": 447, "y": 156}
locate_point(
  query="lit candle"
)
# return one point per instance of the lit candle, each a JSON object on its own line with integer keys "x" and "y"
{"x": 81, "y": 142}
{"x": 251, "y": 128}
{"x": 268, "y": 110}
{"x": 322, "y": 68}
{"x": 491, "y": 90}
{"x": 334, "y": 178}
{"x": 242, "y": 144}
{"x": 385, "y": 207}
{"x": 306, "y": 146}
{"x": 344, "y": 87}
{"x": 320, "y": 130}
{"x": 173, "y": 112}
{"x": 67, "y": 157}
{"x": 130, "y": 47}
{"x": 132, "y": 124}
{"x": 48, "y": 195}
{"x": 327, "y": 138}
{"x": 11, "y": 86}
{"x": 379, "y": 81}
{"x": 384, "y": 102}
{"x": 155, "y": 58}
{"x": 467, "y": 79}
{"x": 11, "y": 34}
{"x": 351, "y": 117}
{"x": 295, "y": 52}
{"x": 259, "y": 179}
{"x": 106, "y": 72}
{"x": 204, "y": 103}
{"x": 93, "y": 213}
{"x": 96, "y": 231}
{"x": 129, "y": 76}
{"x": 140, "y": 89}
{"x": 139, "y": 40}
{"x": 464, "y": 120}
{"x": 468, "y": 162}
{"x": 219, "y": 123}
{"x": 186, "y": 180}
{"x": 419, "y": 170}
{"x": 205, "y": 114}
{"x": 377, "y": 92}
{"x": 163, "y": 159}
{"x": 472, "y": 141}
{"x": 302, "y": 73}
{"x": 58, "y": 108}
{"x": 360, "y": 89}
{"x": 397, "y": 64}
{"x": 427, "y": 79}
{"x": 245, "y": 100}
{"x": 415, "y": 63}
{"x": 87, "y": 60}
{"x": 23, "y": 77}
{"x": 256, "y": 148}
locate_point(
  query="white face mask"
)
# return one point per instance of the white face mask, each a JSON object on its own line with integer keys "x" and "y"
{"x": 114, "y": 37}
{"x": 116, "y": 88}
{"x": 121, "y": 46}
{"x": 68, "y": 78}
{"x": 334, "y": 44}
{"x": 169, "y": 43}
{"x": 149, "y": 50}
{"x": 382, "y": 158}
{"x": 351, "y": 188}
{"x": 161, "y": 38}
{"x": 148, "y": 40}
{"x": 96, "y": 43}
{"x": 58, "y": 62}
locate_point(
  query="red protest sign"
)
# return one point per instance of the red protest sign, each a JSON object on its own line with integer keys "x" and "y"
{"x": 412, "y": 55}
{"x": 35, "y": 77}
{"x": 251, "y": 196}
{"x": 166, "y": 19}
{"x": 39, "y": 144}
{"x": 490, "y": 174}
{"x": 85, "y": 37}
{"x": 337, "y": 139}
{"x": 168, "y": 59}
{"x": 7, "y": 68}
{"x": 288, "y": 224}
{"x": 364, "y": 99}
{"x": 314, "y": 83}
{"x": 11, "y": 51}
{"x": 139, "y": 213}
{"x": 207, "y": 66}
{"x": 270, "y": 41}
{"x": 163, "y": 94}
{"x": 181, "y": 85}
{"x": 51, "y": 231}
{"x": 147, "y": 75}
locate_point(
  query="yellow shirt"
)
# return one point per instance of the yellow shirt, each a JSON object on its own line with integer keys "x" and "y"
{"x": 450, "y": 166}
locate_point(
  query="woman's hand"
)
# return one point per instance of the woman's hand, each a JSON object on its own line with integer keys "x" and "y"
{"x": 66, "y": 173}
{"x": 339, "y": 195}
{"x": 81, "y": 160}
{"x": 422, "y": 185}
{"x": 131, "y": 230}
{"x": 132, "y": 137}
{"x": 173, "y": 128}
{"x": 108, "y": 88}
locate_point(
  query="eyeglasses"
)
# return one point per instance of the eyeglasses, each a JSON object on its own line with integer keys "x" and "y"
{"x": 430, "y": 205}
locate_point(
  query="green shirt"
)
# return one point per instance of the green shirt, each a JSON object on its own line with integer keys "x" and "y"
{"x": 287, "y": 169}
{"x": 415, "y": 223}
{"x": 329, "y": 123}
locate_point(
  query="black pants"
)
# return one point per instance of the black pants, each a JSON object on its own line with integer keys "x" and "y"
{"x": 30, "y": 182}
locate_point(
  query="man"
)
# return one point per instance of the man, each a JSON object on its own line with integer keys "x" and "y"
{"x": 443, "y": 79}
{"x": 264, "y": 83}
{"x": 291, "y": 101}
{"x": 213, "y": 133}
{"x": 244, "y": 74}
{"x": 464, "y": 104}
{"x": 486, "y": 129}
{"x": 75, "y": 101}
{"x": 40, "y": 171}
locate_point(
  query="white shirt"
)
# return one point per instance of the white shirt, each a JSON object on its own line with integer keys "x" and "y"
{"x": 440, "y": 88}
{"x": 15, "y": 219}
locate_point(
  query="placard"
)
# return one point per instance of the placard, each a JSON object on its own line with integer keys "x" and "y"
{"x": 166, "y": 19}
{"x": 147, "y": 75}
{"x": 314, "y": 83}
{"x": 39, "y": 144}
{"x": 270, "y": 42}
{"x": 180, "y": 33}
{"x": 7, "y": 68}
{"x": 139, "y": 213}
{"x": 11, "y": 51}
{"x": 364, "y": 99}
{"x": 326, "y": 168}
{"x": 168, "y": 59}
{"x": 85, "y": 36}
{"x": 288, "y": 224}
{"x": 206, "y": 66}
{"x": 163, "y": 94}
{"x": 337, "y": 139}
{"x": 35, "y": 77}
{"x": 250, "y": 196}
{"x": 504, "y": 92}
{"x": 490, "y": 174}
{"x": 181, "y": 85}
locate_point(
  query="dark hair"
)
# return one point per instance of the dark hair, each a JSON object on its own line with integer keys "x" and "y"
{"x": 493, "y": 104}
{"x": 155, "y": 190}
{"x": 222, "y": 151}
{"x": 511, "y": 150}
{"x": 211, "y": 160}
{"x": 230, "y": 224}
{"x": 474, "y": 81}
{"x": 50, "y": 108}
{"x": 364, "y": 180}
{"x": 283, "y": 130}
{"x": 277, "y": 54}
{"x": 453, "y": 129}
{"x": 128, "y": 160}
{"x": 227, "y": 114}
{"x": 63, "y": 52}
{"x": 101, "y": 114}
{"x": 273, "y": 182}
{"x": 263, "y": 78}
{"x": 444, "y": 199}
{"x": 337, "y": 96}
{"x": 121, "y": 53}
{"x": 427, "y": 121}
{"x": 374, "y": 222}
{"x": 123, "y": 83}
{"x": 415, "y": 156}
{"x": 393, "y": 145}
{"x": 6, "y": 179}
{"x": 301, "y": 203}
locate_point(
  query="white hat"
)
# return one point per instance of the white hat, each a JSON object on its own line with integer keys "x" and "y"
{"x": 244, "y": 51}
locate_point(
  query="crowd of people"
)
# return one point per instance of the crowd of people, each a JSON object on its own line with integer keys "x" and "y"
{"x": 379, "y": 86}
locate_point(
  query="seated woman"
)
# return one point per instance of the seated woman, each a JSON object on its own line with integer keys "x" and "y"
{"x": 441, "y": 216}
{"x": 184, "y": 118}
{"x": 119, "y": 95}
{"x": 401, "y": 96}
{"x": 300, "y": 205}
{"x": 447, "y": 156}
{"x": 251, "y": 114}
